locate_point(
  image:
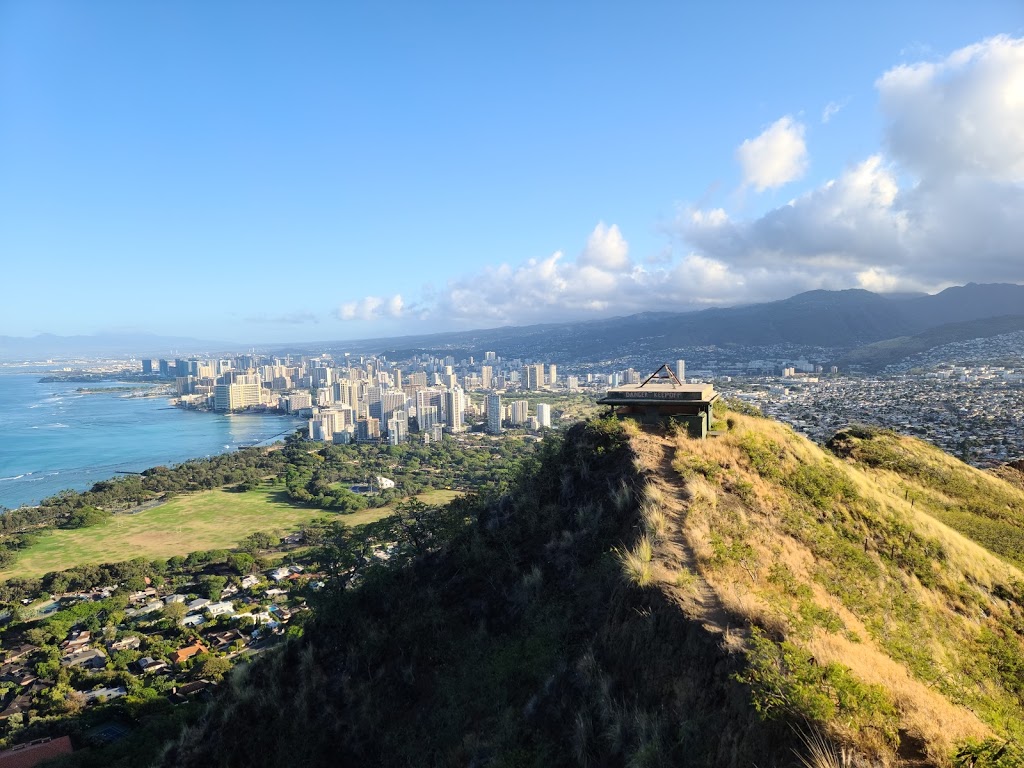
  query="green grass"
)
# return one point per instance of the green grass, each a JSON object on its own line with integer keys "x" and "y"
{"x": 207, "y": 520}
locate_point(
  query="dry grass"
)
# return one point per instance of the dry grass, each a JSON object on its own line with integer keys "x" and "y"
{"x": 636, "y": 562}
{"x": 715, "y": 498}
{"x": 924, "y": 712}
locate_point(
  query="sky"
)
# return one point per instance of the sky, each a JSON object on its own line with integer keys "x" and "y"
{"x": 273, "y": 172}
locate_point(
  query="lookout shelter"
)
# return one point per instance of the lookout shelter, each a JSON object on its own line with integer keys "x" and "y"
{"x": 662, "y": 398}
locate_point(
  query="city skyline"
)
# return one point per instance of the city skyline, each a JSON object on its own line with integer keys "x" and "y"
{"x": 249, "y": 174}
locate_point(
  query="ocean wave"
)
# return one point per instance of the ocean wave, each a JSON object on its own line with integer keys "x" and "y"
{"x": 55, "y": 425}
{"x": 16, "y": 477}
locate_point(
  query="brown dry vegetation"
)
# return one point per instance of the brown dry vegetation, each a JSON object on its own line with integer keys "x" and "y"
{"x": 852, "y": 565}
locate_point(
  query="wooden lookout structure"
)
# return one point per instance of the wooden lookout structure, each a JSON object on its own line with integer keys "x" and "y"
{"x": 663, "y": 398}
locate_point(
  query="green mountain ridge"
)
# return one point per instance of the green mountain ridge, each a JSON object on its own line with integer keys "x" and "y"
{"x": 641, "y": 598}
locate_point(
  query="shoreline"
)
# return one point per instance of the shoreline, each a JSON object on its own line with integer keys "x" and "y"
{"x": 103, "y": 438}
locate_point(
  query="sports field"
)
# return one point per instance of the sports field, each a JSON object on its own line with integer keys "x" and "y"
{"x": 207, "y": 520}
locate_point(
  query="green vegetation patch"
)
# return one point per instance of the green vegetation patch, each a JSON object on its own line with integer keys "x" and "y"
{"x": 206, "y": 520}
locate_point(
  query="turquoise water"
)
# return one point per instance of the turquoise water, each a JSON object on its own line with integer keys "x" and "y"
{"x": 52, "y": 437}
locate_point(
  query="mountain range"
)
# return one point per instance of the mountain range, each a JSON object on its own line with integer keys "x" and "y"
{"x": 839, "y": 321}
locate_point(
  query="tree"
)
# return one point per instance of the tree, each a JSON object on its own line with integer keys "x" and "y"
{"x": 242, "y": 562}
{"x": 213, "y": 667}
{"x": 213, "y": 585}
{"x": 175, "y": 612}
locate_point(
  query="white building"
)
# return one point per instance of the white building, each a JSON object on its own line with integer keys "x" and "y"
{"x": 543, "y": 415}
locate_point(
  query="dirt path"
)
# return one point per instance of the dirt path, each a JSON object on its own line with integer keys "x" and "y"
{"x": 675, "y": 553}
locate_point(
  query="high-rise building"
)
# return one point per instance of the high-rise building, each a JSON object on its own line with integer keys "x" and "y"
{"x": 681, "y": 371}
{"x": 368, "y": 429}
{"x": 494, "y": 414}
{"x": 398, "y": 427}
{"x": 552, "y": 374}
{"x": 233, "y": 397}
{"x": 147, "y": 367}
{"x": 455, "y": 404}
{"x": 533, "y": 376}
{"x": 427, "y": 416}
{"x": 391, "y": 401}
{"x": 296, "y": 401}
{"x": 426, "y": 398}
{"x": 543, "y": 415}
{"x": 518, "y": 412}
{"x": 486, "y": 373}
{"x": 490, "y": 356}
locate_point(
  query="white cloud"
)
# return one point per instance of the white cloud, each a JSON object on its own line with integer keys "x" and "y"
{"x": 942, "y": 202}
{"x": 606, "y": 249}
{"x": 960, "y": 116}
{"x": 776, "y": 157}
{"x": 371, "y": 308}
{"x": 832, "y": 109}
{"x": 953, "y": 131}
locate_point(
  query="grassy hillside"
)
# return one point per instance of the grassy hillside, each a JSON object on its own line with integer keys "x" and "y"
{"x": 868, "y": 601}
{"x": 217, "y": 519}
{"x": 644, "y": 599}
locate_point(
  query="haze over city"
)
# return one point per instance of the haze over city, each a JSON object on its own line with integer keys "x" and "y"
{"x": 256, "y": 172}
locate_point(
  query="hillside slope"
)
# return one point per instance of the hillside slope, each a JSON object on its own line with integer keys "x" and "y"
{"x": 646, "y": 599}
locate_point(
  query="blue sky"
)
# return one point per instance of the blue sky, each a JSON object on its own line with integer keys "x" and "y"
{"x": 274, "y": 172}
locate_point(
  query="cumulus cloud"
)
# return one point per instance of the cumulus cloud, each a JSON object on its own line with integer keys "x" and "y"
{"x": 941, "y": 202}
{"x": 945, "y": 204}
{"x": 606, "y": 249}
{"x": 959, "y": 116}
{"x": 776, "y": 157}
{"x": 371, "y": 308}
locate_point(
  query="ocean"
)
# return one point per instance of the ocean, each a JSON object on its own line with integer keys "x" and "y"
{"x": 52, "y": 437}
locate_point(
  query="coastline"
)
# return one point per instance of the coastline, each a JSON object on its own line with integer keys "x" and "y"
{"x": 57, "y": 438}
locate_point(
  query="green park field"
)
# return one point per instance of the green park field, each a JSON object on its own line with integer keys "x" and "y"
{"x": 207, "y": 520}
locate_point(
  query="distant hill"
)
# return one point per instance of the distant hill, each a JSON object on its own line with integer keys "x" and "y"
{"x": 839, "y": 320}
{"x": 641, "y": 598}
{"x": 47, "y": 346}
{"x": 836, "y": 320}
{"x": 875, "y": 357}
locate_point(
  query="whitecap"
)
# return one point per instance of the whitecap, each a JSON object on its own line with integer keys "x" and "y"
{"x": 16, "y": 477}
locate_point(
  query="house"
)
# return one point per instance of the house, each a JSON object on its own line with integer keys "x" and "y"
{"x": 150, "y": 607}
{"x": 89, "y": 658}
{"x": 126, "y": 644}
{"x": 199, "y": 688}
{"x": 228, "y": 591}
{"x": 193, "y": 620}
{"x": 188, "y": 652}
{"x": 35, "y": 752}
{"x": 279, "y": 574}
{"x": 198, "y": 604}
{"x": 174, "y": 599}
{"x": 221, "y": 640}
{"x": 19, "y": 653}
{"x": 281, "y": 612}
{"x": 151, "y": 666}
{"x": 220, "y": 609}
{"x": 19, "y": 675}
{"x": 105, "y": 694}
{"x": 77, "y": 640}
{"x": 250, "y": 581}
